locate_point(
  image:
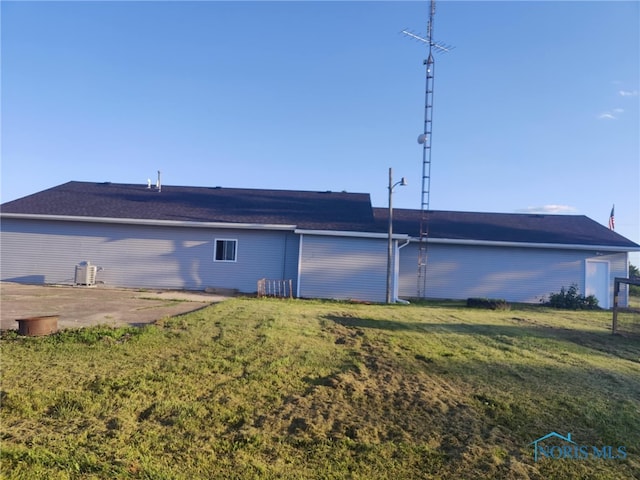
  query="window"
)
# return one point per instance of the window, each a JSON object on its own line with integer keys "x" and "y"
{"x": 225, "y": 250}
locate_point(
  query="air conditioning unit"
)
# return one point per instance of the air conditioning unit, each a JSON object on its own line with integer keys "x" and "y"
{"x": 86, "y": 274}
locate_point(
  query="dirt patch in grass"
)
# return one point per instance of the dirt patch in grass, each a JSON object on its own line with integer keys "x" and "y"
{"x": 380, "y": 396}
{"x": 88, "y": 306}
{"x": 370, "y": 398}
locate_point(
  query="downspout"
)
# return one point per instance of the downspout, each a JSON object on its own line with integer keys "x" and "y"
{"x": 299, "y": 279}
{"x": 395, "y": 273}
{"x": 284, "y": 258}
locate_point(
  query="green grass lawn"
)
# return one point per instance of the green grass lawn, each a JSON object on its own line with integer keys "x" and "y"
{"x": 259, "y": 388}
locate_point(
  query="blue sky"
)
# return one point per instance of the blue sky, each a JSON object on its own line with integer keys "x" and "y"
{"x": 536, "y": 108}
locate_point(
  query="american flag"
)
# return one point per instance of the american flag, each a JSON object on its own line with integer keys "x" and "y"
{"x": 612, "y": 220}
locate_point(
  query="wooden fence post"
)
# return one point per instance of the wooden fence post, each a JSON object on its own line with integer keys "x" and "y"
{"x": 616, "y": 292}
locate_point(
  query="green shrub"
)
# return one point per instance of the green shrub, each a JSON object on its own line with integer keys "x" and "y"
{"x": 634, "y": 290}
{"x": 488, "y": 303}
{"x": 571, "y": 299}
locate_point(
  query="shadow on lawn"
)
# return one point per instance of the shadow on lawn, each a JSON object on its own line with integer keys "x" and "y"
{"x": 626, "y": 347}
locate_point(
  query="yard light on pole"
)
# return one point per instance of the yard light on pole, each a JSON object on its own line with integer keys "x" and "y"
{"x": 392, "y": 185}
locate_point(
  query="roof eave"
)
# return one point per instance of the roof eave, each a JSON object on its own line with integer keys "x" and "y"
{"x": 555, "y": 246}
{"x": 159, "y": 223}
{"x": 337, "y": 233}
{"x": 345, "y": 233}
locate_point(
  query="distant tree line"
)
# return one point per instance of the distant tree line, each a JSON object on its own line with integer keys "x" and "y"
{"x": 634, "y": 272}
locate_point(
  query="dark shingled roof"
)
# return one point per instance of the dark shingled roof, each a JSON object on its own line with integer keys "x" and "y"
{"x": 505, "y": 227}
{"x": 333, "y": 211}
{"x": 308, "y": 210}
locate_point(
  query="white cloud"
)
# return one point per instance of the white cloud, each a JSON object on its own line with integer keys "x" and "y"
{"x": 628, "y": 93}
{"x": 552, "y": 208}
{"x": 611, "y": 114}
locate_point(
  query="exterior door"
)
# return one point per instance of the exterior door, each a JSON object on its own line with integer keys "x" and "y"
{"x": 597, "y": 282}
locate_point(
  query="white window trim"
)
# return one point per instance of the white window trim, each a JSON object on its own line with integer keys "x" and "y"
{"x": 215, "y": 249}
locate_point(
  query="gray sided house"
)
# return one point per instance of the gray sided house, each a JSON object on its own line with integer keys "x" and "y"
{"x": 330, "y": 244}
{"x": 518, "y": 257}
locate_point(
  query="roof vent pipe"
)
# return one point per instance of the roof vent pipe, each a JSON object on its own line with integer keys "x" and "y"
{"x": 158, "y": 184}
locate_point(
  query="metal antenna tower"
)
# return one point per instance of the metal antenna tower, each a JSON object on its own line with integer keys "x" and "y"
{"x": 425, "y": 139}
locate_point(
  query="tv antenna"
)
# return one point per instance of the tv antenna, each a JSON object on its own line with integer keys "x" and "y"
{"x": 425, "y": 140}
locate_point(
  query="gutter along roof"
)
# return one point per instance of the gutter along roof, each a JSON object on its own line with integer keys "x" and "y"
{"x": 142, "y": 221}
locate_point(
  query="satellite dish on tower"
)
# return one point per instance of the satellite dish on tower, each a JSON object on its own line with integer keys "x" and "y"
{"x": 422, "y": 138}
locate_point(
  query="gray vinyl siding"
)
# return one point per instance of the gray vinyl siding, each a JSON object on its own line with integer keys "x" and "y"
{"x": 514, "y": 274}
{"x": 143, "y": 256}
{"x": 343, "y": 268}
{"x": 618, "y": 267}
